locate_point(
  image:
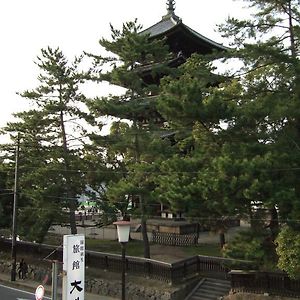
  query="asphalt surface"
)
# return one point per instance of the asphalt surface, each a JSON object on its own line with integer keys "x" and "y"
{"x": 25, "y": 289}
{"x": 11, "y": 293}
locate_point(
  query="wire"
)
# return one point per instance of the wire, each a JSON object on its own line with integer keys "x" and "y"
{"x": 57, "y": 248}
{"x": 5, "y": 194}
{"x": 188, "y": 218}
{"x": 79, "y": 171}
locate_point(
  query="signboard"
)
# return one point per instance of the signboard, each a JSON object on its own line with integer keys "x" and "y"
{"x": 73, "y": 267}
{"x": 39, "y": 292}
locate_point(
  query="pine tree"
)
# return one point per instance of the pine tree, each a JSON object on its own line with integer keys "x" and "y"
{"x": 185, "y": 183}
{"x": 130, "y": 149}
{"x": 51, "y": 145}
{"x": 256, "y": 153}
{"x": 268, "y": 101}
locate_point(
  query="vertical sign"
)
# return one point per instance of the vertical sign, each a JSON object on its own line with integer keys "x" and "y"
{"x": 73, "y": 267}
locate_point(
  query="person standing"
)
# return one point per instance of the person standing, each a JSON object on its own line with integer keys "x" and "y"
{"x": 23, "y": 269}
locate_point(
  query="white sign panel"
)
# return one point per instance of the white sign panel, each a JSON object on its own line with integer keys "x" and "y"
{"x": 39, "y": 292}
{"x": 73, "y": 267}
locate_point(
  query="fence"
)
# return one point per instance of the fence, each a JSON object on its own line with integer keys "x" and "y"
{"x": 172, "y": 273}
{"x": 264, "y": 282}
{"x": 178, "y": 272}
{"x": 174, "y": 239}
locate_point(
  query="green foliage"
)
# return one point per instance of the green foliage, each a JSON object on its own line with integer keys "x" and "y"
{"x": 232, "y": 142}
{"x": 288, "y": 245}
{"x": 49, "y": 163}
{"x": 267, "y": 105}
{"x": 129, "y": 146}
{"x": 252, "y": 245}
{"x": 251, "y": 159}
{"x": 184, "y": 100}
{"x": 131, "y": 52}
{"x": 133, "y": 144}
{"x": 6, "y": 195}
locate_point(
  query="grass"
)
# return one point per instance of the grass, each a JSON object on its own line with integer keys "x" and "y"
{"x": 203, "y": 249}
{"x": 133, "y": 248}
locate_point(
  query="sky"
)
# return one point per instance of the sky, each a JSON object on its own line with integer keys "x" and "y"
{"x": 76, "y": 26}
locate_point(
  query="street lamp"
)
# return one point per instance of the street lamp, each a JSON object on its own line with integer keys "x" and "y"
{"x": 123, "y": 228}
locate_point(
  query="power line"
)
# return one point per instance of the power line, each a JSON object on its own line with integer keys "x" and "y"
{"x": 187, "y": 218}
{"x": 112, "y": 171}
{"x": 4, "y": 194}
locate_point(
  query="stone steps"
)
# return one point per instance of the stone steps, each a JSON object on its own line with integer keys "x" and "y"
{"x": 210, "y": 289}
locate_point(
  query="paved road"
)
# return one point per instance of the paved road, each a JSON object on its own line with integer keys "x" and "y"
{"x": 9, "y": 293}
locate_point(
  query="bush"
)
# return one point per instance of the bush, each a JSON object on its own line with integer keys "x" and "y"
{"x": 254, "y": 246}
{"x": 288, "y": 251}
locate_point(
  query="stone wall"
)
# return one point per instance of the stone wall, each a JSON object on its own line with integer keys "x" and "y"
{"x": 133, "y": 291}
{"x": 111, "y": 287}
{"x": 35, "y": 273}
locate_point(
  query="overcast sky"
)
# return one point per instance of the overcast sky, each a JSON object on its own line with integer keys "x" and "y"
{"x": 76, "y": 26}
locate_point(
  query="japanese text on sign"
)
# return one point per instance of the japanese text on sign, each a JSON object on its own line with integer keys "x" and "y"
{"x": 73, "y": 266}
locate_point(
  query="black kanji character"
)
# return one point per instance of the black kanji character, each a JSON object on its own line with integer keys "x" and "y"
{"x": 75, "y": 248}
{"x": 76, "y": 265}
{"x": 76, "y": 286}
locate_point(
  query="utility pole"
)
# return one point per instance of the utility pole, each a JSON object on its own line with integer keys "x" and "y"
{"x": 14, "y": 226}
{"x": 54, "y": 279}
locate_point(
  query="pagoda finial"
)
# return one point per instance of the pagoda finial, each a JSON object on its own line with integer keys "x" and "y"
{"x": 171, "y": 6}
{"x": 171, "y": 12}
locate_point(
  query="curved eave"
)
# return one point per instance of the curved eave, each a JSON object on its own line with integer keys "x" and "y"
{"x": 162, "y": 27}
{"x": 201, "y": 37}
{"x": 172, "y": 25}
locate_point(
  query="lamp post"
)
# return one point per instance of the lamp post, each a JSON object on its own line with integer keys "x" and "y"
{"x": 123, "y": 228}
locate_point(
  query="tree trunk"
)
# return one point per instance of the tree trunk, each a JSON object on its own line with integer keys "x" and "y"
{"x": 144, "y": 230}
{"x": 222, "y": 238}
{"x": 143, "y": 215}
{"x": 274, "y": 224}
{"x": 198, "y": 231}
{"x": 252, "y": 221}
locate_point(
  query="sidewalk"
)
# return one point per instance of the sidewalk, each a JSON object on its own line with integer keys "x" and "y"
{"x": 30, "y": 286}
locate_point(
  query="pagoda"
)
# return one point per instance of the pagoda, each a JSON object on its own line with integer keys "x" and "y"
{"x": 182, "y": 40}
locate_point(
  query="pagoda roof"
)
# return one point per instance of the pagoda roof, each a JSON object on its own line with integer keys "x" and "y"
{"x": 181, "y": 37}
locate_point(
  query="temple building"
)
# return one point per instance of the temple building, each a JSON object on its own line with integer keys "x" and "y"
{"x": 180, "y": 37}
{"x": 182, "y": 41}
